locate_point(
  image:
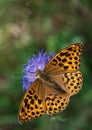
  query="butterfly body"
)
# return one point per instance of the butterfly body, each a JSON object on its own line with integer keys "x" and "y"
{"x": 43, "y": 76}
{"x": 51, "y": 91}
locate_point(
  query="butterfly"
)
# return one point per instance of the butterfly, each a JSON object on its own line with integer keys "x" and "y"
{"x": 51, "y": 91}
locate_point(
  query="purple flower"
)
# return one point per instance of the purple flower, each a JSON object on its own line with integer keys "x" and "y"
{"x": 37, "y": 62}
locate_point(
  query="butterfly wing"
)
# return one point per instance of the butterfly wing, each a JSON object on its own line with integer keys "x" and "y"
{"x": 74, "y": 82}
{"x": 69, "y": 82}
{"x": 67, "y": 60}
{"x": 62, "y": 69}
{"x": 56, "y": 101}
{"x": 33, "y": 104}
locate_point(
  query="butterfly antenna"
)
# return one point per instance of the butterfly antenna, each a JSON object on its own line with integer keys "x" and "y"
{"x": 18, "y": 74}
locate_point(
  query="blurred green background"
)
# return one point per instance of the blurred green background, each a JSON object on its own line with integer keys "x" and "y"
{"x": 26, "y": 26}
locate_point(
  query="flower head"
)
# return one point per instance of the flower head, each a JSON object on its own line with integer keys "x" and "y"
{"x": 37, "y": 62}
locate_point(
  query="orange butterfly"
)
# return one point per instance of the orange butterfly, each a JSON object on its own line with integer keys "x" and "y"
{"x": 50, "y": 92}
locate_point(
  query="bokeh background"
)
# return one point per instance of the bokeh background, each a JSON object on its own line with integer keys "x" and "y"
{"x": 26, "y": 26}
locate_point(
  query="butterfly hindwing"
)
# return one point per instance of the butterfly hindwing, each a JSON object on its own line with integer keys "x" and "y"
{"x": 74, "y": 82}
{"x": 56, "y": 101}
{"x": 70, "y": 82}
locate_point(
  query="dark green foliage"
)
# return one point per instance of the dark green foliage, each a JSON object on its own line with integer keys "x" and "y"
{"x": 26, "y": 26}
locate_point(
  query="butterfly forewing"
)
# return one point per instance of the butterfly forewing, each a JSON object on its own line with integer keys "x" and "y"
{"x": 33, "y": 104}
{"x": 67, "y": 60}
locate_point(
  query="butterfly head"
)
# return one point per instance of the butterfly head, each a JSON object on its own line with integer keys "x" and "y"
{"x": 34, "y": 67}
